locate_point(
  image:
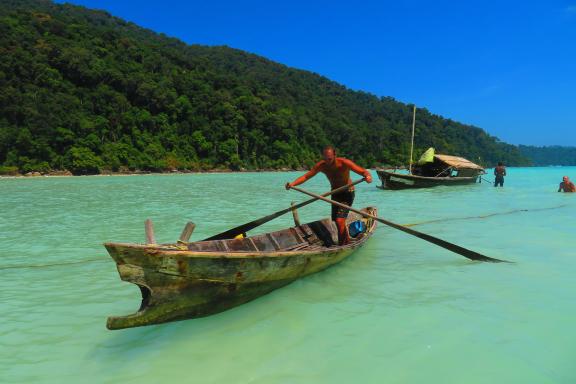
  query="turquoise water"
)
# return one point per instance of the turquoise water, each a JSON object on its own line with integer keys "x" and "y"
{"x": 400, "y": 310}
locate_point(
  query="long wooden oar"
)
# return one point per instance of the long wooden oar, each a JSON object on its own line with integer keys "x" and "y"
{"x": 442, "y": 243}
{"x": 229, "y": 234}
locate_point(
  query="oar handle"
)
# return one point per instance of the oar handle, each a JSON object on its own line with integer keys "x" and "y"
{"x": 339, "y": 189}
{"x": 442, "y": 243}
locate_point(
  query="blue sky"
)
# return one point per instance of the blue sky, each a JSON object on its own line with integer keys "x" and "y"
{"x": 508, "y": 67}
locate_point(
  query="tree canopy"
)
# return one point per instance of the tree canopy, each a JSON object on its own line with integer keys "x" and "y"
{"x": 85, "y": 91}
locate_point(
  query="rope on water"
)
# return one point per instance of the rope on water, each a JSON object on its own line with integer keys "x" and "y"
{"x": 55, "y": 264}
{"x": 483, "y": 216}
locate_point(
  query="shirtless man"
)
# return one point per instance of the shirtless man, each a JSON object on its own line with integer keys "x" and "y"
{"x": 566, "y": 185}
{"x": 337, "y": 170}
{"x": 499, "y": 172}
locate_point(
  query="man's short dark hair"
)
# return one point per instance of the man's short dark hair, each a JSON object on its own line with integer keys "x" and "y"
{"x": 329, "y": 147}
{"x": 500, "y": 163}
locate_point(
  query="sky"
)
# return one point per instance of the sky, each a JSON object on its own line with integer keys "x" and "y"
{"x": 508, "y": 67}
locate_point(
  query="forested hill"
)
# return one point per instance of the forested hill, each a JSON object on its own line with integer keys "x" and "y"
{"x": 85, "y": 91}
{"x": 552, "y": 155}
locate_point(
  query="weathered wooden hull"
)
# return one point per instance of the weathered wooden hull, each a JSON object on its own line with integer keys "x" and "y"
{"x": 179, "y": 284}
{"x": 391, "y": 180}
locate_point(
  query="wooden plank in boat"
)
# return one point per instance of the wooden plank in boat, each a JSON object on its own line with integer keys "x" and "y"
{"x": 297, "y": 235}
{"x": 240, "y": 245}
{"x": 273, "y": 241}
{"x": 202, "y": 246}
{"x": 285, "y": 239}
{"x": 308, "y": 234}
{"x": 263, "y": 243}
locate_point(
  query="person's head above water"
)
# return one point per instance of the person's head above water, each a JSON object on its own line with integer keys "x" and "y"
{"x": 565, "y": 178}
{"x": 329, "y": 154}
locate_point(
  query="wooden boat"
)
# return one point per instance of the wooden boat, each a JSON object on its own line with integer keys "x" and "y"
{"x": 443, "y": 170}
{"x": 188, "y": 280}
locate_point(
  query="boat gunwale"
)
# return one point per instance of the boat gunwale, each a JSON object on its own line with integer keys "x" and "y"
{"x": 253, "y": 254}
{"x": 406, "y": 176}
{"x": 160, "y": 249}
{"x": 216, "y": 254}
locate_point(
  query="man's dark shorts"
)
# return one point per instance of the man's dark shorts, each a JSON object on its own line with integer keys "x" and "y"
{"x": 344, "y": 198}
{"x": 499, "y": 180}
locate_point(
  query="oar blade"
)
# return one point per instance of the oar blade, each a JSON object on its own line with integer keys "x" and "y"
{"x": 472, "y": 255}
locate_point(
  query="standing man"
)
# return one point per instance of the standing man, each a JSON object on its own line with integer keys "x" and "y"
{"x": 499, "y": 172}
{"x": 337, "y": 170}
{"x": 566, "y": 185}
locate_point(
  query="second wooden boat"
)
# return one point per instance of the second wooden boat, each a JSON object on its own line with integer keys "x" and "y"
{"x": 442, "y": 170}
{"x": 431, "y": 170}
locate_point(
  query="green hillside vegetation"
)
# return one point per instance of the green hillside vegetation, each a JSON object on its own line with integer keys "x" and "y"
{"x": 84, "y": 91}
{"x": 552, "y": 155}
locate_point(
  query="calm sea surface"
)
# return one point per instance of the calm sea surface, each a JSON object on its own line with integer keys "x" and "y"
{"x": 400, "y": 310}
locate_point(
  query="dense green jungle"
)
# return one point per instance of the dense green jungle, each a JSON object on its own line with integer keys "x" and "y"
{"x": 84, "y": 91}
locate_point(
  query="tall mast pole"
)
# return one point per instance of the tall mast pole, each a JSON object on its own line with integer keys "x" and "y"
{"x": 412, "y": 145}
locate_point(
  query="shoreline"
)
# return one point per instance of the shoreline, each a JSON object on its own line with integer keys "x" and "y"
{"x": 141, "y": 173}
{"x": 211, "y": 171}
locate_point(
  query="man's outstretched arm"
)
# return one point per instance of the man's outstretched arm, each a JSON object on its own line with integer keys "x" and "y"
{"x": 308, "y": 175}
{"x": 359, "y": 170}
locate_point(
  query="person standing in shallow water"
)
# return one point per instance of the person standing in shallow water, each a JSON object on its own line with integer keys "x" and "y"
{"x": 337, "y": 170}
{"x": 499, "y": 172}
{"x": 566, "y": 185}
